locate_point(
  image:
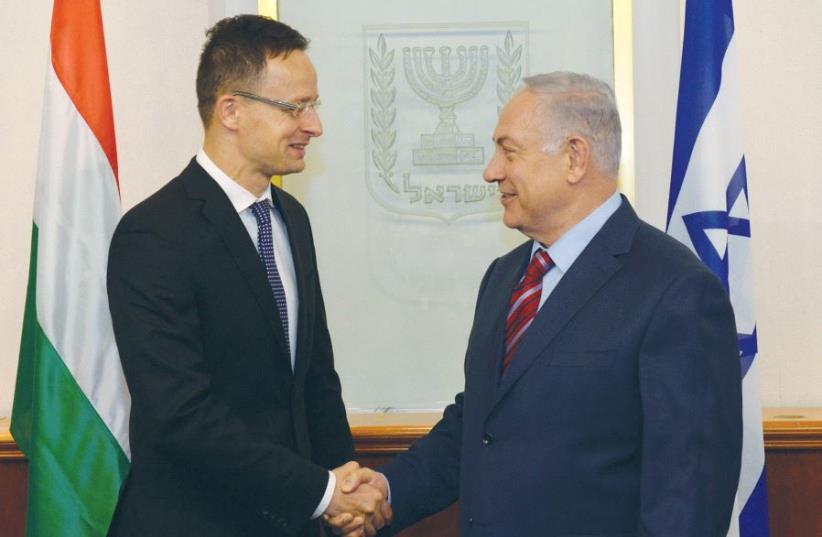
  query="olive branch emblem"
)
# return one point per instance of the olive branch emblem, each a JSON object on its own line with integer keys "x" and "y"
{"x": 509, "y": 70}
{"x": 383, "y": 112}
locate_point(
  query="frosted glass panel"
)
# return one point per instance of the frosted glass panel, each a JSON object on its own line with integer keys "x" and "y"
{"x": 404, "y": 224}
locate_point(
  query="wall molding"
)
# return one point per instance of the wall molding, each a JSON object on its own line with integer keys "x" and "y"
{"x": 792, "y": 428}
{"x": 8, "y": 449}
{"x": 391, "y": 433}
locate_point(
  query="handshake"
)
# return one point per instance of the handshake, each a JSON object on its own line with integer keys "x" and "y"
{"x": 359, "y": 506}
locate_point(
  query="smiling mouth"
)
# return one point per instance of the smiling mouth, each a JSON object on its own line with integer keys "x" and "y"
{"x": 505, "y": 197}
{"x": 300, "y": 148}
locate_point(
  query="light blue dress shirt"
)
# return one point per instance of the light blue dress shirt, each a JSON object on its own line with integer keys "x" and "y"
{"x": 568, "y": 247}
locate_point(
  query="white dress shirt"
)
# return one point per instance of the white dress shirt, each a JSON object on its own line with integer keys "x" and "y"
{"x": 242, "y": 200}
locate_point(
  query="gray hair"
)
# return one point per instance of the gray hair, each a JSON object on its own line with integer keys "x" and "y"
{"x": 579, "y": 105}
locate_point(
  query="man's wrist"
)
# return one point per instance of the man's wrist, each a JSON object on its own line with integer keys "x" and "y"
{"x": 326, "y": 499}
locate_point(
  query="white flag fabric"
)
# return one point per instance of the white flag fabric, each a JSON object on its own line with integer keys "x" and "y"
{"x": 708, "y": 211}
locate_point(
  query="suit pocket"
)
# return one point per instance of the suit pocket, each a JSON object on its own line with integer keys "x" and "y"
{"x": 576, "y": 358}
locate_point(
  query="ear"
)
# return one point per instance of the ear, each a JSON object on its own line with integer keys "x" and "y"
{"x": 227, "y": 111}
{"x": 579, "y": 158}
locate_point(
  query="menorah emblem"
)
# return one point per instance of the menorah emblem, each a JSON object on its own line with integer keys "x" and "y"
{"x": 446, "y": 89}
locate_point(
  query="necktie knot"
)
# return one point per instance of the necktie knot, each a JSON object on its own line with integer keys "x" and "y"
{"x": 261, "y": 212}
{"x": 540, "y": 264}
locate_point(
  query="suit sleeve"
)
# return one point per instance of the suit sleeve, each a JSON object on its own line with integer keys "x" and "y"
{"x": 691, "y": 402}
{"x": 426, "y": 479}
{"x": 156, "y": 324}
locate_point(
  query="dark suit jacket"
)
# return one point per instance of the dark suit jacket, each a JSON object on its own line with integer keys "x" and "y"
{"x": 225, "y": 439}
{"x": 620, "y": 415}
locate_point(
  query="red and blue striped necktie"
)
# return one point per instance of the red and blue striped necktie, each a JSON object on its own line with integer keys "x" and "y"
{"x": 524, "y": 304}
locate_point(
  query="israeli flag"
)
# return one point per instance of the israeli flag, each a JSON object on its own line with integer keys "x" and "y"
{"x": 708, "y": 211}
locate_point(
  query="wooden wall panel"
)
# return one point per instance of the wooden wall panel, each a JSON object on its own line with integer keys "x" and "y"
{"x": 13, "y": 478}
{"x": 793, "y": 447}
{"x": 794, "y": 492}
{"x": 793, "y": 464}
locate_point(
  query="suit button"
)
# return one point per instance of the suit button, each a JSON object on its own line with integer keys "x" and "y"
{"x": 470, "y": 521}
{"x": 487, "y": 439}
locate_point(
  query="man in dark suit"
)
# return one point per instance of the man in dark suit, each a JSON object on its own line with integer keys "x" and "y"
{"x": 237, "y": 418}
{"x": 602, "y": 382}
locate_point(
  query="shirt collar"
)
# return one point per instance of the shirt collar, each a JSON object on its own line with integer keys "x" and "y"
{"x": 568, "y": 247}
{"x": 240, "y": 198}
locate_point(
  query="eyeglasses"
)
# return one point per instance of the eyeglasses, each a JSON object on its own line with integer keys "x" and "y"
{"x": 294, "y": 110}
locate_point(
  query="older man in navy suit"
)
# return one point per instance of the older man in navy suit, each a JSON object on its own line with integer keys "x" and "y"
{"x": 602, "y": 388}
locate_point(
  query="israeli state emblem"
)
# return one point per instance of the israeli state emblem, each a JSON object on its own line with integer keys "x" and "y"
{"x": 433, "y": 95}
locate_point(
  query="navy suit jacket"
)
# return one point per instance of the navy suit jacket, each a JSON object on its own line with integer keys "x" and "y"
{"x": 620, "y": 414}
{"x": 226, "y": 440}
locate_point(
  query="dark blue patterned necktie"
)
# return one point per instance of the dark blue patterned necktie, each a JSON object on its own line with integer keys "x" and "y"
{"x": 265, "y": 247}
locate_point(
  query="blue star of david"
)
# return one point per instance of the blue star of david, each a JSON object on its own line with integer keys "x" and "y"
{"x": 698, "y": 223}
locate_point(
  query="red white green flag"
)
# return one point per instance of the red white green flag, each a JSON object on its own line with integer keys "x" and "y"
{"x": 71, "y": 404}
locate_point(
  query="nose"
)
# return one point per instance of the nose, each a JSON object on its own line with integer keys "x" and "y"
{"x": 311, "y": 123}
{"x": 493, "y": 170}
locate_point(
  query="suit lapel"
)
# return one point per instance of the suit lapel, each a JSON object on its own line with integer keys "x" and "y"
{"x": 490, "y": 328}
{"x": 298, "y": 255}
{"x": 596, "y": 264}
{"x": 512, "y": 268}
{"x": 217, "y": 210}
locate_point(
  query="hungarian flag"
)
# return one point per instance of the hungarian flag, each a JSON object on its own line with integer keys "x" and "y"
{"x": 71, "y": 404}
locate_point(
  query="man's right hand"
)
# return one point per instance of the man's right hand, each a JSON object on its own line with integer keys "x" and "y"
{"x": 359, "y": 505}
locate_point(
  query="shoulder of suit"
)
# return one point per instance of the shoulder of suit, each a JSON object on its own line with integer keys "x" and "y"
{"x": 657, "y": 250}
{"x": 516, "y": 255}
{"x": 166, "y": 209}
{"x": 167, "y": 197}
{"x": 289, "y": 202}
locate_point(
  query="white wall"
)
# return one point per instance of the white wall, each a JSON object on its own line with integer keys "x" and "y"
{"x": 24, "y": 31}
{"x": 153, "y": 48}
{"x": 781, "y": 80}
{"x": 657, "y": 49}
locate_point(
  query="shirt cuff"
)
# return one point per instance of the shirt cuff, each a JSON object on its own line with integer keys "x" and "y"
{"x": 329, "y": 492}
{"x": 388, "y": 486}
